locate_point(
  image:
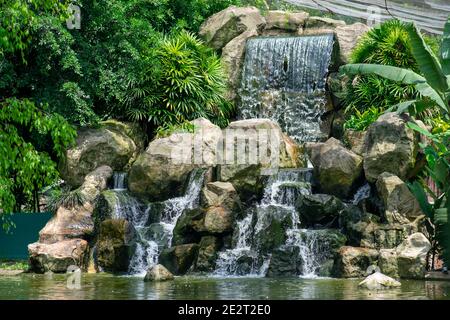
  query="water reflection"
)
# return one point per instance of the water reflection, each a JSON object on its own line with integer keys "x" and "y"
{"x": 103, "y": 286}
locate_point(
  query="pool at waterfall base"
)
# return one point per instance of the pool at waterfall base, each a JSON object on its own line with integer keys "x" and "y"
{"x": 111, "y": 287}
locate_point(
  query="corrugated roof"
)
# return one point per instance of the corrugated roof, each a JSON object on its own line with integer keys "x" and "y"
{"x": 429, "y": 15}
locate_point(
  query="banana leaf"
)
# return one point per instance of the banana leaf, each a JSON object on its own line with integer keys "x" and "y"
{"x": 445, "y": 50}
{"x": 428, "y": 63}
{"x": 396, "y": 74}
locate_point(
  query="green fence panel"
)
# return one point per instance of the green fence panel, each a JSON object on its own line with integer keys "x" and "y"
{"x": 14, "y": 245}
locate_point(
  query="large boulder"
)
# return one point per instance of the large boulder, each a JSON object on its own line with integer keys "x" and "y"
{"x": 77, "y": 221}
{"x": 219, "y": 193}
{"x": 158, "y": 273}
{"x": 115, "y": 245}
{"x": 412, "y": 255}
{"x": 57, "y": 257}
{"x": 390, "y": 146}
{"x": 399, "y": 203}
{"x": 353, "y": 262}
{"x": 355, "y": 140}
{"x": 408, "y": 260}
{"x": 337, "y": 169}
{"x": 113, "y": 144}
{"x": 207, "y": 254}
{"x": 283, "y": 20}
{"x": 271, "y": 227}
{"x": 179, "y": 259}
{"x": 388, "y": 262}
{"x": 232, "y": 60}
{"x": 379, "y": 281}
{"x": 284, "y": 262}
{"x": 217, "y": 220}
{"x": 188, "y": 226}
{"x": 318, "y": 208}
{"x": 254, "y": 148}
{"x": 224, "y": 26}
{"x": 347, "y": 37}
{"x": 159, "y": 173}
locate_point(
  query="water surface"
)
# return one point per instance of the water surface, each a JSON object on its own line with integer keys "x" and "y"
{"x": 104, "y": 286}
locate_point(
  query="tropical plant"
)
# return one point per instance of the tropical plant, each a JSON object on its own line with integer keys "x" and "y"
{"x": 360, "y": 121}
{"x": 433, "y": 87}
{"x": 184, "y": 81}
{"x": 64, "y": 197}
{"x": 388, "y": 44}
{"x": 437, "y": 211}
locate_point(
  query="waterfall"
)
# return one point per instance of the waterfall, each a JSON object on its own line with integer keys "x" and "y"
{"x": 119, "y": 179}
{"x": 153, "y": 222}
{"x": 280, "y": 194}
{"x": 284, "y": 79}
{"x": 153, "y": 237}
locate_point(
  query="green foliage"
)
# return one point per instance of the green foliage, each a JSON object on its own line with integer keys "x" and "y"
{"x": 13, "y": 265}
{"x": 86, "y": 75}
{"x": 17, "y": 18}
{"x": 438, "y": 211}
{"x": 167, "y": 130}
{"x": 183, "y": 81}
{"x": 388, "y": 44}
{"x": 31, "y": 140}
{"x": 64, "y": 197}
{"x": 360, "y": 121}
{"x": 432, "y": 88}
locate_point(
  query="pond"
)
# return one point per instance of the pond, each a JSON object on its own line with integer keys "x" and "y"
{"x": 105, "y": 286}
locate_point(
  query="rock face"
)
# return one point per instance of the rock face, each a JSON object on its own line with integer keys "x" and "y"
{"x": 284, "y": 262}
{"x": 356, "y": 140}
{"x": 114, "y": 144}
{"x": 347, "y": 38}
{"x": 400, "y": 204}
{"x": 114, "y": 245}
{"x": 222, "y": 194}
{"x": 337, "y": 168}
{"x": 217, "y": 220}
{"x": 57, "y": 257}
{"x": 379, "y": 281}
{"x": 283, "y": 20}
{"x": 158, "y": 273}
{"x": 318, "y": 208}
{"x": 388, "y": 263}
{"x": 244, "y": 173}
{"x": 207, "y": 254}
{"x": 77, "y": 222}
{"x": 69, "y": 227}
{"x": 160, "y": 172}
{"x": 227, "y": 24}
{"x": 232, "y": 60}
{"x": 390, "y": 146}
{"x": 412, "y": 254}
{"x": 353, "y": 262}
{"x": 179, "y": 259}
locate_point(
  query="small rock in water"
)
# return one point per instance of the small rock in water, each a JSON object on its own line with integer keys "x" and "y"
{"x": 378, "y": 281}
{"x": 158, "y": 273}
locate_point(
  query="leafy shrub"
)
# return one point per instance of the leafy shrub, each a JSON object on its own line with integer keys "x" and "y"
{"x": 183, "y": 81}
{"x": 167, "y": 130}
{"x": 387, "y": 44}
{"x": 66, "y": 198}
{"x": 360, "y": 121}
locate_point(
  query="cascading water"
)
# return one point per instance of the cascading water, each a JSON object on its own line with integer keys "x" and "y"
{"x": 284, "y": 79}
{"x": 154, "y": 223}
{"x": 248, "y": 256}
